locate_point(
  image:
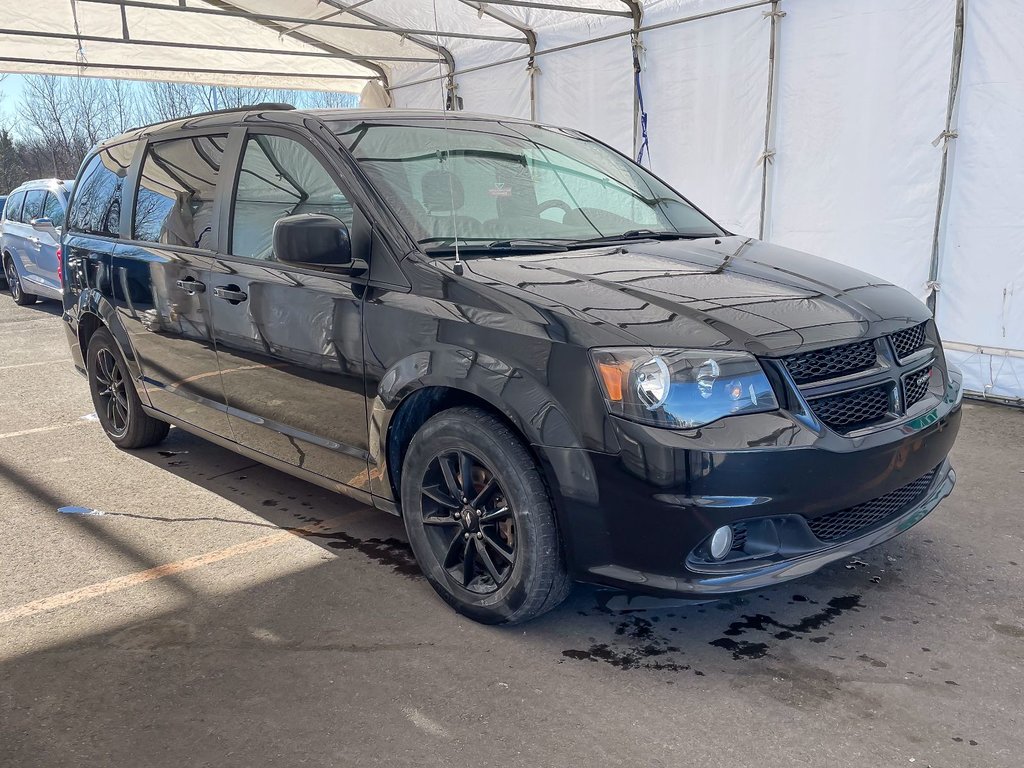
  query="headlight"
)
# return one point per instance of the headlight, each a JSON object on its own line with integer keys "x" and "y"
{"x": 681, "y": 388}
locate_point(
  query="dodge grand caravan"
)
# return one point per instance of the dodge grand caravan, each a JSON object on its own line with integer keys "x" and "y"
{"x": 542, "y": 357}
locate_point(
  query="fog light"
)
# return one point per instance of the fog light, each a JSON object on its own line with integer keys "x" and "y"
{"x": 721, "y": 542}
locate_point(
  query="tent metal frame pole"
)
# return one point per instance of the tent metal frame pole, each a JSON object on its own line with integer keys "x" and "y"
{"x": 949, "y": 133}
{"x": 558, "y": 7}
{"x": 531, "y": 41}
{"x": 582, "y": 43}
{"x": 253, "y": 16}
{"x": 281, "y": 29}
{"x": 413, "y": 37}
{"x": 637, "y": 13}
{"x": 210, "y": 47}
{"x": 768, "y": 152}
{"x": 205, "y": 71}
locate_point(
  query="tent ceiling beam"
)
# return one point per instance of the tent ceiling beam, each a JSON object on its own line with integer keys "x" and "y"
{"x": 199, "y": 70}
{"x": 253, "y": 16}
{"x": 558, "y": 7}
{"x": 321, "y": 54}
{"x": 300, "y": 36}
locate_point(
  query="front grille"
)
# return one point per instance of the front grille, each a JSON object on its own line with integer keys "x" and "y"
{"x": 829, "y": 363}
{"x": 846, "y": 522}
{"x": 908, "y": 341}
{"x": 915, "y": 385}
{"x": 850, "y": 410}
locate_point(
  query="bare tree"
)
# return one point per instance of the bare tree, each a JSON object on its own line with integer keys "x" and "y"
{"x": 166, "y": 101}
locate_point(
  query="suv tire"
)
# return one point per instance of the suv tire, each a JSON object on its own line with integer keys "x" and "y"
{"x": 115, "y": 399}
{"x": 14, "y": 285}
{"x": 480, "y": 519}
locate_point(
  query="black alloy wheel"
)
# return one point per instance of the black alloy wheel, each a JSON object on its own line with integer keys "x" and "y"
{"x": 14, "y": 285}
{"x": 471, "y": 526}
{"x": 480, "y": 519}
{"x": 111, "y": 392}
{"x": 114, "y": 397}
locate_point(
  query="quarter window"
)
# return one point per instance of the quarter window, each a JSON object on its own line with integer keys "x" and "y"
{"x": 96, "y": 201}
{"x": 12, "y": 211}
{"x": 279, "y": 177}
{"x": 174, "y": 205}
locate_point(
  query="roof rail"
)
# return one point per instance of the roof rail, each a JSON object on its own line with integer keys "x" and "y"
{"x": 243, "y": 108}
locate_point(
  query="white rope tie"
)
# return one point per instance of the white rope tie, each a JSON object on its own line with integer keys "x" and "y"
{"x": 944, "y": 137}
{"x": 773, "y": 14}
{"x": 768, "y": 156}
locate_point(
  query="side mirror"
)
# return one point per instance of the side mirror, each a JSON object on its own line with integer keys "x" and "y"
{"x": 42, "y": 223}
{"x": 312, "y": 238}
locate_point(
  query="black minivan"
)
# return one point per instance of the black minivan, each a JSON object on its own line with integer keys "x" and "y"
{"x": 541, "y": 356}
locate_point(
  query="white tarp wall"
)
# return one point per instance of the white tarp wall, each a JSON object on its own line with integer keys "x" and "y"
{"x": 861, "y": 90}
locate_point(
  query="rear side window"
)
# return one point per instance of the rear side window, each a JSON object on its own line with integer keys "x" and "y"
{"x": 34, "y": 199}
{"x": 12, "y": 211}
{"x": 96, "y": 202}
{"x": 175, "y": 201}
{"x": 53, "y": 209}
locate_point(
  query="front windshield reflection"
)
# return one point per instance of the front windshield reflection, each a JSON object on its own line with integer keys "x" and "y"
{"x": 493, "y": 181}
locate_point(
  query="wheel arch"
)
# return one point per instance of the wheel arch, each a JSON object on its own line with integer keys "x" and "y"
{"x": 95, "y": 311}
{"x": 427, "y": 383}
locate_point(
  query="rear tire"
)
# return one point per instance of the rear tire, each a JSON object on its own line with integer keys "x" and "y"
{"x": 497, "y": 556}
{"x": 115, "y": 399}
{"x": 14, "y": 285}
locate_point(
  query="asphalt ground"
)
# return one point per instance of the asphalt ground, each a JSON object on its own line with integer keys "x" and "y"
{"x": 224, "y": 614}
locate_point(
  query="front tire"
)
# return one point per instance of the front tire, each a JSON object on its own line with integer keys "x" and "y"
{"x": 115, "y": 399}
{"x": 14, "y": 285}
{"x": 480, "y": 519}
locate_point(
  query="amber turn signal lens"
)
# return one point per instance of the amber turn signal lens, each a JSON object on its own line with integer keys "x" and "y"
{"x": 614, "y": 377}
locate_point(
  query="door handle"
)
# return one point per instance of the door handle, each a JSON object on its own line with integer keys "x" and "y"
{"x": 231, "y": 293}
{"x": 191, "y": 286}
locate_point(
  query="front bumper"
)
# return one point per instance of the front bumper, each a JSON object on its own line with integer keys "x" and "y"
{"x": 759, "y": 576}
{"x": 634, "y": 519}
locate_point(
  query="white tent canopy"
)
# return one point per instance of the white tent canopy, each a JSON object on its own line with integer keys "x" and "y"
{"x": 885, "y": 134}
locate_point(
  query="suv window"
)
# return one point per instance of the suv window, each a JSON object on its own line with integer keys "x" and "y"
{"x": 33, "y": 204}
{"x": 176, "y": 191}
{"x": 12, "y": 211}
{"x": 53, "y": 209}
{"x": 96, "y": 202}
{"x": 279, "y": 177}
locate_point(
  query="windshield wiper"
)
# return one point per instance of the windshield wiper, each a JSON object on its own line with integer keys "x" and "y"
{"x": 642, "y": 234}
{"x": 496, "y": 247}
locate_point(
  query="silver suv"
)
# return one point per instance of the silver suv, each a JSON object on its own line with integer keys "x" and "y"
{"x": 30, "y": 230}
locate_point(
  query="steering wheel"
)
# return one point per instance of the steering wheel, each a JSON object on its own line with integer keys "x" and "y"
{"x": 564, "y": 207}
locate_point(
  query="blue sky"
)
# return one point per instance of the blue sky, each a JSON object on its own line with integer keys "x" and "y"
{"x": 10, "y": 95}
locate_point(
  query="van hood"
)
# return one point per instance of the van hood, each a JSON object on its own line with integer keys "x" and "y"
{"x": 727, "y": 292}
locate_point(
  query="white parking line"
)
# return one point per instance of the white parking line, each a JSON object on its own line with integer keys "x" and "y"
{"x": 37, "y": 430}
{"x": 64, "y": 599}
{"x": 29, "y": 365}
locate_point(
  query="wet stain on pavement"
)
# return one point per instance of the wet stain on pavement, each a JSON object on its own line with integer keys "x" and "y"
{"x": 390, "y": 551}
{"x": 759, "y": 622}
{"x": 741, "y": 649}
{"x": 640, "y": 648}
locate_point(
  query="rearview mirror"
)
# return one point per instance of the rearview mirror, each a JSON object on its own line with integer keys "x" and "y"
{"x": 43, "y": 222}
{"x": 312, "y": 238}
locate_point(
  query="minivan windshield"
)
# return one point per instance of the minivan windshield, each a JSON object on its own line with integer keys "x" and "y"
{"x": 500, "y": 185}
